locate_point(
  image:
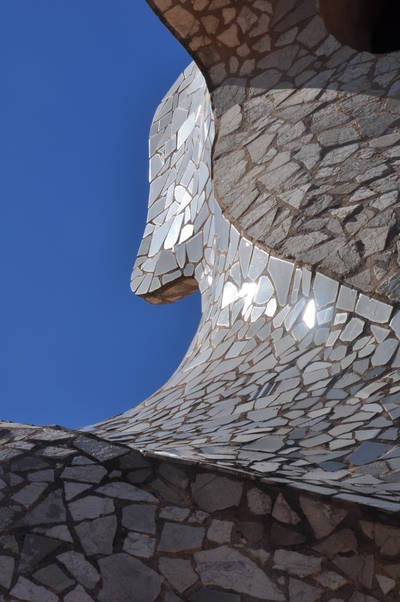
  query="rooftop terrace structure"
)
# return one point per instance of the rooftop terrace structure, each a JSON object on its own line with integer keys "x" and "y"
{"x": 267, "y": 467}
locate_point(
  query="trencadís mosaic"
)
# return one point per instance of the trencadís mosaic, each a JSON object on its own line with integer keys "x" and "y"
{"x": 291, "y": 374}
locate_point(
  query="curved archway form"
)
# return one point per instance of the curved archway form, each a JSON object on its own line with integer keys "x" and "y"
{"x": 369, "y": 25}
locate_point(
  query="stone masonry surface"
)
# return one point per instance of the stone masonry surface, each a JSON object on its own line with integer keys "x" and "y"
{"x": 83, "y": 520}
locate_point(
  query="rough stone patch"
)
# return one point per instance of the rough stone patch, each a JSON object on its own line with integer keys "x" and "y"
{"x": 323, "y": 518}
{"x": 227, "y": 568}
{"x": 122, "y": 575}
{"x": 283, "y": 512}
{"x": 177, "y": 538}
{"x": 178, "y": 572}
{"x": 216, "y": 493}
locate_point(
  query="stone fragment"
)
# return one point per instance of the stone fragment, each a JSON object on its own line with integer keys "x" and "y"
{"x": 139, "y": 544}
{"x": 126, "y": 578}
{"x": 178, "y": 538}
{"x": 141, "y": 517}
{"x": 323, "y": 518}
{"x": 283, "y": 512}
{"x": 367, "y": 452}
{"x": 229, "y": 36}
{"x": 81, "y": 473}
{"x": 8, "y": 543}
{"x": 258, "y": 501}
{"x": 51, "y": 510}
{"x": 331, "y": 580}
{"x": 169, "y": 493}
{"x": 174, "y": 474}
{"x": 29, "y": 494}
{"x": 220, "y": 531}
{"x": 386, "y": 583}
{"x": 261, "y": 556}
{"x": 227, "y": 568}
{"x": 35, "y": 548}
{"x": 374, "y": 310}
{"x": 182, "y": 21}
{"x": 74, "y": 489}
{"x": 99, "y": 449}
{"x": 97, "y": 536}
{"x": 26, "y": 590}
{"x": 178, "y": 572}
{"x": 343, "y": 541}
{"x": 58, "y": 532}
{"x": 174, "y": 513}
{"x": 212, "y": 492}
{"x": 384, "y": 352}
{"x": 80, "y": 568}
{"x": 300, "y": 565}
{"x": 325, "y": 290}
{"x": 360, "y": 569}
{"x": 302, "y": 592}
{"x": 91, "y": 506}
{"x": 126, "y": 491}
{"x": 78, "y": 595}
{"x": 198, "y": 517}
{"x": 386, "y": 537}
{"x": 282, "y": 536}
{"x": 53, "y": 577}
{"x": 251, "y": 532}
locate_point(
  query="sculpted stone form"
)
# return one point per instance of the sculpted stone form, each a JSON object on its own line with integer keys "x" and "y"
{"x": 291, "y": 374}
{"x": 267, "y": 467}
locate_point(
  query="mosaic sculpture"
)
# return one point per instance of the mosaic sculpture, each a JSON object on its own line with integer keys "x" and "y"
{"x": 291, "y": 373}
{"x": 267, "y": 467}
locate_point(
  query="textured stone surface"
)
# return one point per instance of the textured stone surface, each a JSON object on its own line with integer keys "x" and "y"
{"x": 283, "y": 512}
{"x": 313, "y": 548}
{"x": 178, "y": 572}
{"x": 52, "y": 576}
{"x": 258, "y": 502}
{"x": 97, "y": 536}
{"x": 322, "y": 517}
{"x": 296, "y": 564}
{"x": 139, "y": 544}
{"x": 176, "y": 538}
{"x": 139, "y": 517}
{"x": 125, "y": 577}
{"x": 216, "y": 493}
{"x": 230, "y": 569}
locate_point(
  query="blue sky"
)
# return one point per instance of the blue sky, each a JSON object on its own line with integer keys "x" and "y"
{"x": 80, "y": 84}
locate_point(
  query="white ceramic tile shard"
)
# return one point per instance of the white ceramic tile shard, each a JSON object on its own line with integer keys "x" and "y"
{"x": 290, "y": 372}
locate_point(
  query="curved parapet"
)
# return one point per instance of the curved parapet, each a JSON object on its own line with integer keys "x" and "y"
{"x": 291, "y": 374}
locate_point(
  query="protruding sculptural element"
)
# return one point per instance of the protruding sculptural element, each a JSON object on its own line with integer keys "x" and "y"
{"x": 286, "y": 220}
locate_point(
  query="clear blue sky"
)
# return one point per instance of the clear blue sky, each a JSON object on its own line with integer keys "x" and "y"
{"x": 80, "y": 81}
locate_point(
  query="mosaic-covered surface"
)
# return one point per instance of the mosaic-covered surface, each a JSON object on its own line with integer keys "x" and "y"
{"x": 268, "y": 466}
{"x": 307, "y": 156}
{"x": 291, "y": 374}
{"x": 83, "y": 520}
